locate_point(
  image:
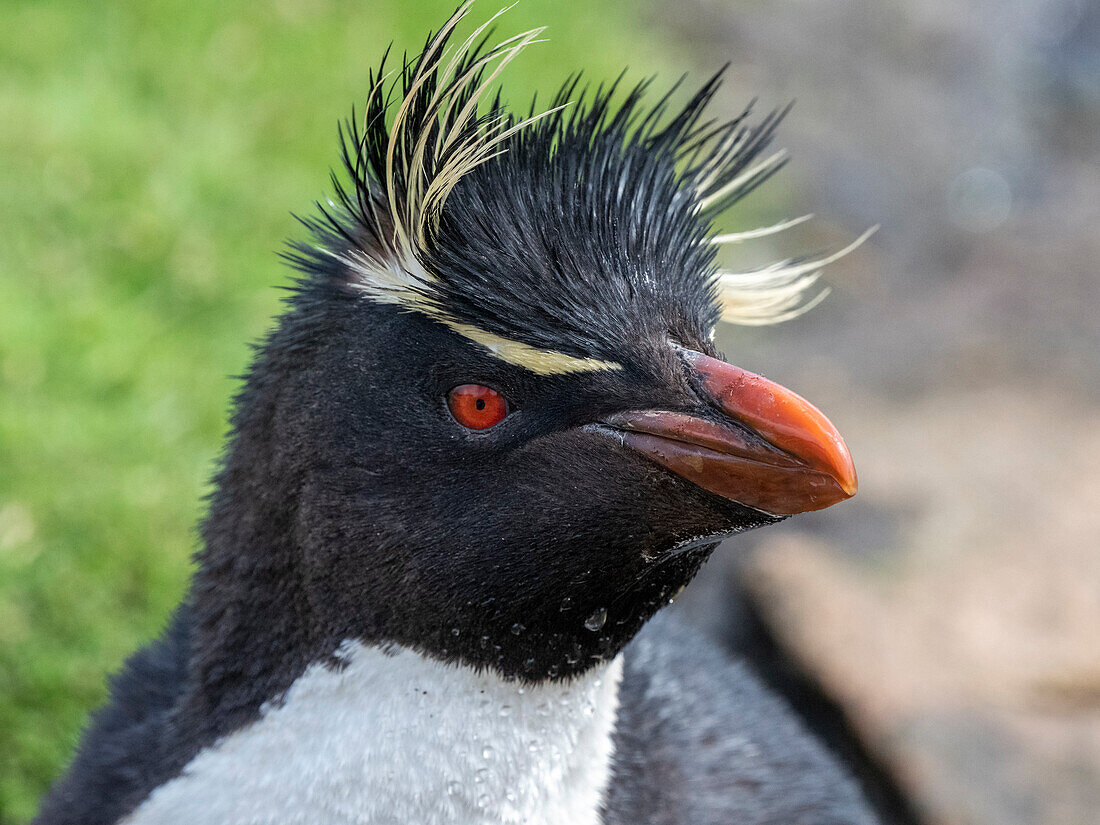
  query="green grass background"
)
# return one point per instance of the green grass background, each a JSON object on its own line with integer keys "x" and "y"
{"x": 150, "y": 155}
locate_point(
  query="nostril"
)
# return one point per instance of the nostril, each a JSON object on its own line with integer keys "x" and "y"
{"x": 694, "y": 380}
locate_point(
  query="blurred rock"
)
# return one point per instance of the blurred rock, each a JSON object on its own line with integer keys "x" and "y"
{"x": 953, "y": 608}
{"x": 969, "y": 132}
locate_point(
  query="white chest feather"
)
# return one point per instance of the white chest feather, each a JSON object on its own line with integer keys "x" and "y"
{"x": 394, "y": 737}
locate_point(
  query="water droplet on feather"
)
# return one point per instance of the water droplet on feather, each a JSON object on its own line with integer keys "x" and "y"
{"x": 596, "y": 620}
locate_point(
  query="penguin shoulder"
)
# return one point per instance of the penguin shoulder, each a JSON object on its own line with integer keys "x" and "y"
{"x": 125, "y": 748}
{"x": 699, "y": 739}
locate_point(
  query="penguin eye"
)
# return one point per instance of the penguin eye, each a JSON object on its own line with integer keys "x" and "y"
{"x": 476, "y": 407}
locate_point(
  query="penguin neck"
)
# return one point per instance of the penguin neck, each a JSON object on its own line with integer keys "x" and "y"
{"x": 253, "y": 628}
{"x": 252, "y": 632}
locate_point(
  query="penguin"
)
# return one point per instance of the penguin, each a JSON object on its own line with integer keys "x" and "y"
{"x": 489, "y": 439}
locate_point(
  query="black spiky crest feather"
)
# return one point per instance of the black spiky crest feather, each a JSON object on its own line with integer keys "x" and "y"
{"x": 551, "y": 231}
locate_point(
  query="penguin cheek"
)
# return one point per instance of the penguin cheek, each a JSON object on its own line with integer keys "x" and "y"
{"x": 582, "y": 509}
{"x": 659, "y": 508}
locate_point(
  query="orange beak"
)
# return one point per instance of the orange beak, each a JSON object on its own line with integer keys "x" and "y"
{"x": 766, "y": 447}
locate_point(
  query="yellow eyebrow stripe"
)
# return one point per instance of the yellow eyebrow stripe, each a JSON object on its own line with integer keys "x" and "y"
{"x": 387, "y": 283}
{"x": 538, "y": 361}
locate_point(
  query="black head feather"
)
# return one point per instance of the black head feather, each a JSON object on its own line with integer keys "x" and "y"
{"x": 553, "y": 258}
{"x": 573, "y": 230}
{"x": 351, "y": 504}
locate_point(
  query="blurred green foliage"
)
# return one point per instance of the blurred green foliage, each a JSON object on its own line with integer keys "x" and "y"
{"x": 150, "y": 154}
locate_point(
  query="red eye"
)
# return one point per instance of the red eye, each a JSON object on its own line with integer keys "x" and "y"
{"x": 476, "y": 407}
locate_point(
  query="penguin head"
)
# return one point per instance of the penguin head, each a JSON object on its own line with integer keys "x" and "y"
{"x": 504, "y": 435}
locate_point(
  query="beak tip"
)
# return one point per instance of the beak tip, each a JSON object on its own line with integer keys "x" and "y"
{"x": 850, "y": 486}
{"x": 846, "y": 474}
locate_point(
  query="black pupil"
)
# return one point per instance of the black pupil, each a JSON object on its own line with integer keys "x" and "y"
{"x": 480, "y": 403}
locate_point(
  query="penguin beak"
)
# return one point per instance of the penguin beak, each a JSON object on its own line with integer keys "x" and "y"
{"x": 759, "y": 444}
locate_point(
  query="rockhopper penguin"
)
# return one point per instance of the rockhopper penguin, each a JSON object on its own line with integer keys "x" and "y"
{"x": 488, "y": 440}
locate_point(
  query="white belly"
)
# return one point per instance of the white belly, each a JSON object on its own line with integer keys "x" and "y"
{"x": 394, "y": 737}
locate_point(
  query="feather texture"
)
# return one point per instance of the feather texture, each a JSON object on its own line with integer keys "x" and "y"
{"x": 451, "y": 200}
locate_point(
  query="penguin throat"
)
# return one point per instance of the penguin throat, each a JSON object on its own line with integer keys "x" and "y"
{"x": 388, "y": 735}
